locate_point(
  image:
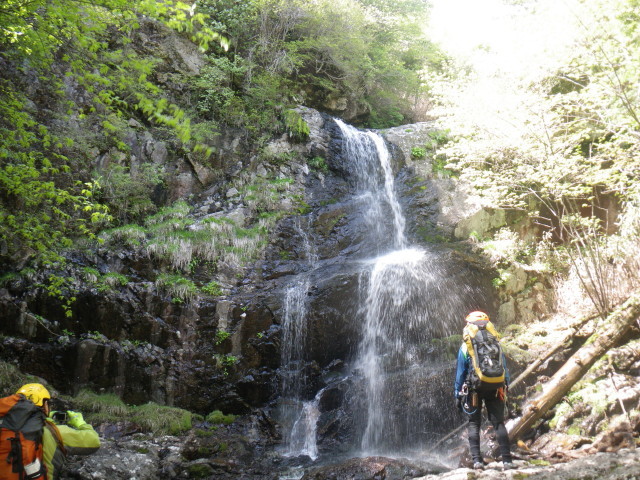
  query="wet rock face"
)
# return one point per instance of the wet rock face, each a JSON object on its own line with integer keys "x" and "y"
{"x": 136, "y": 342}
{"x": 145, "y": 348}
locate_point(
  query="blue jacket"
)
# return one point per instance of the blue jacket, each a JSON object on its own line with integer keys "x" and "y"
{"x": 463, "y": 368}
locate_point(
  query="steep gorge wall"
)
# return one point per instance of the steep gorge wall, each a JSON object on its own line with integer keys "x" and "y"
{"x": 136, "y": 340}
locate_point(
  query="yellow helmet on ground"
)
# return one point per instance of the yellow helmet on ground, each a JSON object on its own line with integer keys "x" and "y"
{"x": 35, "y": 392}
{"x": 477, "y": 317}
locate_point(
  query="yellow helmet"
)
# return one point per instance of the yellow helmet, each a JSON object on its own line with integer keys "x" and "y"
{"x": 477, "y": 317}
{"x": 35, "y": 392}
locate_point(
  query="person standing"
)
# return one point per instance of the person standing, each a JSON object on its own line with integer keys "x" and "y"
{"x": 482, "y": 377}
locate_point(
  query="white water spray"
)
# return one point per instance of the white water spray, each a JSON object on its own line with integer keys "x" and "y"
{"x": 406, "y": 300}
{"x": 408, "y": 297}
{"x": 300, "y": 415}
{"x": 377, "y": 193}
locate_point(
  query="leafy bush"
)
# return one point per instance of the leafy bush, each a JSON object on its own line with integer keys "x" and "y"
{"x": 219, "y": 418}
{"x": 418, "y": 152}
{"x": 212, "y": 288}
{"x": 318, "y": 163}
{"x": 128, "y": 193}
{"x": 221, "y": 336}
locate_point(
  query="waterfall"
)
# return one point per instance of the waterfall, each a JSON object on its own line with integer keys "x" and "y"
{"x": 361, "y": 148}
{"x": 299, "y": 416}
{"x": 302, "y": 439}
{"x": 401, "y": 301}
{"x": 407, "y": 298}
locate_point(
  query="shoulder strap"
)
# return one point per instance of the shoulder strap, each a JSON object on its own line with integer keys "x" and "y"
{"x": 55, "y": 432}
{"x": 492, "y": 330}
{"x": 7, "y": 403}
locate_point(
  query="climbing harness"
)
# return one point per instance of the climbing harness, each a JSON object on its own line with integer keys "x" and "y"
{"x": 469, "y": 400}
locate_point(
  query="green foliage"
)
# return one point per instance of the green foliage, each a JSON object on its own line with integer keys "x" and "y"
{"x": 12, "y": 379}
{"x": 47, "y": 196}
{"x": 8, "y": 278}
{"x": 41, "y": 206}
{"x": 97, "y": 336}
{"x": 439, "y": 167}
{"x": 212, "y": 288}
{"x": 114, "y": 279}
{"x": 106, "y": 404}
{"x": 171, "y": 235}
{"x": 221, "y": 336}
{"x": 199, "y": 470}
{"x": 130, "y": 235}
{"x": 178, "y": 287}
{"x": 284, "y": 255}
{"x": 296, "y": 126}
{"x": 219, "y": 418}
{"x": 161, "y": 419}
{"x": 571, "y": 162}
{"x": 318, "y": 163}
{"x": 217, "y": 86}
{"x": 108, "y": 407}
{"x": 578, "y": 138}
{"x": 178, "y": 210}
{"x": 90, "y": 274}
{"x": 127, "y": 193}
{"x": 437, "y": 138}
{"x": 105, "y": 282}
{"x": 63, "y": 289}
{"x": 309, "y": 52}
{"x": 418, "y": 153}
{"x": 225, "y": 362}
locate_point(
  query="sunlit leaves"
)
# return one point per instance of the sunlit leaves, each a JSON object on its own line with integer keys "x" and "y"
{"x": 582, "y": 128}
{"x": 370, "y": 53}
{"x": 46, "y": 198}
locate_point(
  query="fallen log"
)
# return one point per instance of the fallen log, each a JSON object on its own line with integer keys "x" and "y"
{"x": 607, "y": 336}
{"x": 552, "y": 351}
{"x": 533, "y": 367}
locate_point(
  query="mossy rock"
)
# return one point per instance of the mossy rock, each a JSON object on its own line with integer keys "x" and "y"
{"x": 199, "y": 470}
{"x": 328, "y": 220}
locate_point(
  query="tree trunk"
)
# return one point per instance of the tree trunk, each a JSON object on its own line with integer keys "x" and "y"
{"x": 609, "y": 335}
{"x": 535, "y": 365}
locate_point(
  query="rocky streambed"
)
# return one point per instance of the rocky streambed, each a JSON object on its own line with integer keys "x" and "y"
{"x": 232, "y": 455}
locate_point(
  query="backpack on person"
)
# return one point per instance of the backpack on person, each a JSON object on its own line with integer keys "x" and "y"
{"x": 21, "y": 431}
{"x": 486, "y": 372}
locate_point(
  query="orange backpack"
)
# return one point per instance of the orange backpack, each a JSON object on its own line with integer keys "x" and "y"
{"x": 21, "y": 427}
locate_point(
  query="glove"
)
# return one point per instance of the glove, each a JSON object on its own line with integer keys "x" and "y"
{"x": 74, "y": 419}
{"x": 502, "y": 394}
{"x": 57, "y": 417}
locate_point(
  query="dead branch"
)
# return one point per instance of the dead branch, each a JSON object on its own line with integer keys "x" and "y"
{"x": 612, "y": 331}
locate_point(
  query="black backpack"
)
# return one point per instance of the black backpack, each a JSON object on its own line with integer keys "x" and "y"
{"x": 486, "y": 372}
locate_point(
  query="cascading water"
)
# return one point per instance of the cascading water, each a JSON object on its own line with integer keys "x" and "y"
{"x": 407, "y": 298}
{"x": 369, "y": 154}
{"x": 298, "y": 415}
